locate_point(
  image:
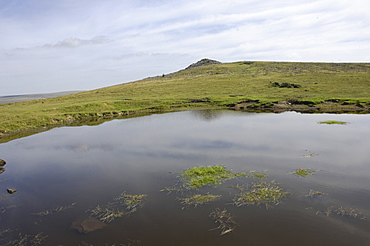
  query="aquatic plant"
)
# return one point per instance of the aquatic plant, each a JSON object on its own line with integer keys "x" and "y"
{"x": 314, "y": 193}
{"x": 302, "y": 172}
{"x": 55, "y": 210}
{"x": 226, "y": 222}
{"x": 132, "y": 202}
{"x": 123, "y": 205}
{"x": 267, "y": 193}
{"x": 198, "y": 199}
{"x": 333, "y": 122}
{"x": 344, "y": 211}
{"x": 4, "y": 209}
{"x": 130, "y": 242}
{"x": 24, "y": 240}
{"x": 106, "y": 213}
{"x": 194, "y": 178}
{"x": 169, "y": 189}
{"x": 255, "y": 174}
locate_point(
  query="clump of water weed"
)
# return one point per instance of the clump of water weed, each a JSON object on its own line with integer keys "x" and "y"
{"x": 333, "y": 122}
{"x": 198, "y": 199}
{"x": 106, "y": 213}
{"x": 55, "y": 210}
{"x": 196, "y": 177}
{"x": 302, "y": 172}
{"x": 169, "y": 189}
{"x": 267, "y": 193}
{"x": 4, "y": 209}
{"x": 226, "y": 222}
{"x": 123, "y": 205}
{"x": 344, "y": 211}
{"x": 130, "y": 242}
{"x": 258, "y": 175}
{"x": 131, "y": 202}
{"x": 314, "y": 193}
{"x": 25, "y": 240}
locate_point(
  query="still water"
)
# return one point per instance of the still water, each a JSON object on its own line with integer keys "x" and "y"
{"x": 75, "y": 169}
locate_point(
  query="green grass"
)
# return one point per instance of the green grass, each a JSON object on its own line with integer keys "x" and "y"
{"x": 333, "y": 122}
{"x": 220, "y": 85}
{"x": 194, "y": 178}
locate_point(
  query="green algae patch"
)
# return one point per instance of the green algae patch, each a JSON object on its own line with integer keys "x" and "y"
{"x": 333, "y": 122}
{"x": 197, "y": 177}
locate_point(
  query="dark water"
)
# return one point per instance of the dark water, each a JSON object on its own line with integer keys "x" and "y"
{"x": 90, "y": 165}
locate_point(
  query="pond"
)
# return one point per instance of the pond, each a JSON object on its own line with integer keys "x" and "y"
{"x": 121, "y": 182}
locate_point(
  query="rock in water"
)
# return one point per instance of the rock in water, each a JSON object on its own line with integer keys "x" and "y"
{"x": 2, "y": 162}
{"x": 11, "y": 191}
{"x": 87, "y": 224}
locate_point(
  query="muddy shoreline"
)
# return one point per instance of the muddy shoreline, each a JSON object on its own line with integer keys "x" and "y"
{"x": 303, "y": 107}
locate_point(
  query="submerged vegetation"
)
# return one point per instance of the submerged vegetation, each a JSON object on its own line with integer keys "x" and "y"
{"x": 315, "y": 193}
{"x": 261, "y": 193}
{"x": 123, "y": 205}
{"x": 225, "y": 221}
{"x": 199, "y": 199}
{"x": 319, "y": 87}
{"x": 55, "y": 210}
{"x": 131, "y": 202}
{"x": 343, "y": 212}
{"x": 25, "y": 240}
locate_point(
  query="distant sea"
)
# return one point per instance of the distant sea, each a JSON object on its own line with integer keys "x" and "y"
{"x": 29, "y": 97}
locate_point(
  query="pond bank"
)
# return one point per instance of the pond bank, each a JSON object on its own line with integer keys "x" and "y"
{"x": 79, "y": 119}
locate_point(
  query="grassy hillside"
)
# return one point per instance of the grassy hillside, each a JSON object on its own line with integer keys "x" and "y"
{"x": 320, "y": 87}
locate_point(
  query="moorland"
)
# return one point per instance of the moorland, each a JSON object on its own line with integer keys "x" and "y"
{"x": 246, "y": 85}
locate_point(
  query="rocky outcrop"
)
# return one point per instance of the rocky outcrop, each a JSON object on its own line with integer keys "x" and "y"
{"x": 203, "y": 62}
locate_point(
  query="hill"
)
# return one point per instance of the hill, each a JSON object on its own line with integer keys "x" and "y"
{"x": 248, "y": 85}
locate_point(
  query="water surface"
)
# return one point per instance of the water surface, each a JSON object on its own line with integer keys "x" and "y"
{"x": 91, "y": 165}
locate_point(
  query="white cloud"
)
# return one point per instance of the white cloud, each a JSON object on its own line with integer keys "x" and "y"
{"x": 76, "y": 42}
{"x": 116, "y": 41}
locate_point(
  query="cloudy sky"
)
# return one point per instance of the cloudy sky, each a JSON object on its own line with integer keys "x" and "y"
{"x": 62, "y": 45}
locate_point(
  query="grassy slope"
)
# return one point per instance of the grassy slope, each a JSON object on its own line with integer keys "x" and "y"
{"x": 216, "y": 85}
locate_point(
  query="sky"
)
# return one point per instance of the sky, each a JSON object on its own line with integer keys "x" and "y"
{"x": 64, "y": 45}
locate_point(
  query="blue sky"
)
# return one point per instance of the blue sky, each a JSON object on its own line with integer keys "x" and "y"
{"x": 62, "y": 45}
